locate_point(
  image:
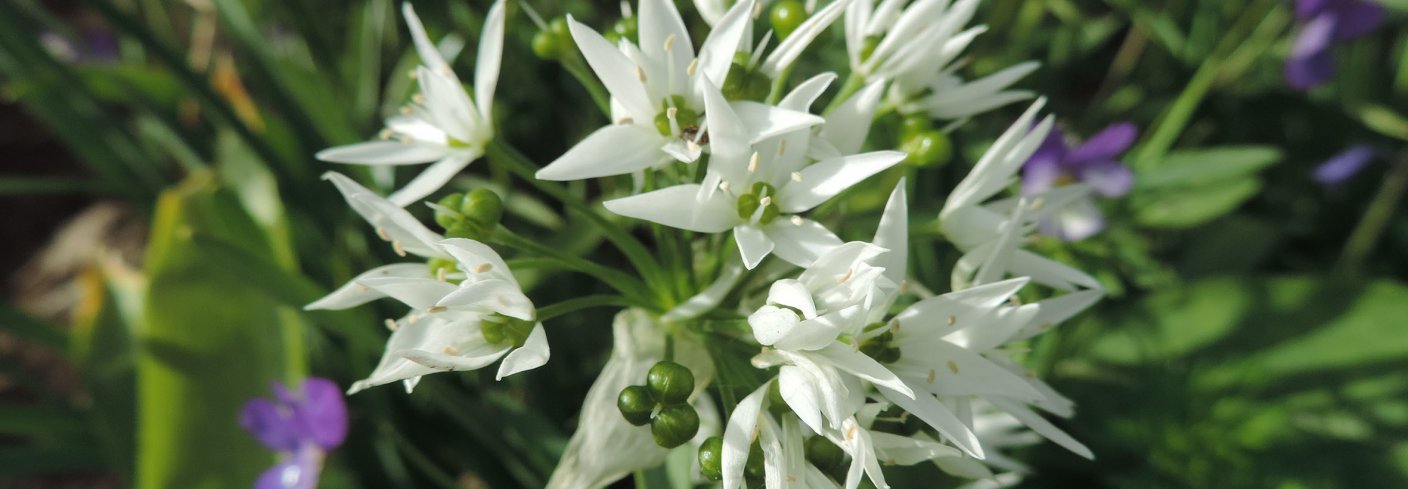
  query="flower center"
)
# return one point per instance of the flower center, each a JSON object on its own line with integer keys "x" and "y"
{"x": 880, "y": 347}
{"x": 686, "y": 119}
{"x": 499, "y": 329}
{"x": 759, "y": 201}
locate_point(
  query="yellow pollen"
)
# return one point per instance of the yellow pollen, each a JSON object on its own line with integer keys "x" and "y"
{"x": 435, "y": 309}
{"x": 851, "y": 433}
{"x": 933, "y": 374}
{"x": 640, "y": 73}
{"x": 400, "y": 250}
{"x": 625, "y": 120}
{"x": 670, "y": 42}
{"x": 483, "y": 267}
{"x": 952, "y": 320}
{"x": 693, "y": 67}
{"x": 1014, "y": 300}
{"x": 753, "y": 163}
{"x": 451, "y": 350}
{"x": 405, "y": 111}
{"x": 952, "y": 366}
{"x": 384, "y": 134}
{"x": 796, "y": 176}
{"x": 411, "y": 319}
{"x": 390, "y": 324}
{"x": 440, "y": 274}
{"x": 413, "y": 74}
{"x": 381, "y": 233}
{"x": 1037, "y": 203}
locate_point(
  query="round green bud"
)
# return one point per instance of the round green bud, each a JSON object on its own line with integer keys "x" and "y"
{"x": 674, "y": 425}
{"x": 912, "y": 125}
{"x": 928, "y": 149}
{"x": 504, "y": 330}
{"x": 755, "y": 466}
{"x": 635, "y": 405}
{"x": 770, "y": 213}
{"x": 747, "y": 204}
{"x": 711, "y": 458}
{"x": 555, "y": 41}
{"x": 670, "y": 382}
{"x": 786, "y": 16}
{"x": 743, "y": 83}
{"x": 449, "y": 215}
{"x": 493, "y": 332}
{"x": 482, "y": 207}
{"x": 824, "y": 454}
{"x": 626, "y": 28}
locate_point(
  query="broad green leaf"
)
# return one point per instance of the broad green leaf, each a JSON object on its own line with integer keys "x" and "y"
{"x": 1199, "y": 167}
{"x": 1385, "y": 121}
{"x": 209, "y": 343}
{"x": 1188, "y": 207}
{"x": 1174, "y": 323}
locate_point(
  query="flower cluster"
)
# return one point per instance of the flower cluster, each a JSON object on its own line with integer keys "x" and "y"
{"x": 859, "y": 366}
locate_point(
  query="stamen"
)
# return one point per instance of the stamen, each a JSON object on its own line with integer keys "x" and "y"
{"x": 952, "y": 320}
{"x": 670, "y": 42}
{"x": 400, "y": 250}
{"x": 693, "y": 67}
{"x": 1037, "y": 203}
{"x": 412, "y": 318}
{"x": 385, "y": 134}
{"x": 850, "y": 433}
{"x": 753, "y": 163}
{"x": 483, "y": 267}
{"x": 1015, "y": 301}
{"x": 933, "y": 375}
{"x": 723, "y": 185}
{"x": 625, "y": 120}
{"x": 418, "y": 98}
{"x": 671, "y": 113}
{"x": 765, "y": 201}
{"x": 953, "y": 366}
{"x": 781, "y": 147}
{"x": 895, "y": 325}
{"x": 405, "y": 111}
{"x": 390, "y": 324}
{"x": 640, "y": 73}
{"x": 440, "y": 274}
{"x": 435, "y": 309}
{"x": 796, "y": 220}
{"x": 381, "y": 233}
{"x": 757, "y": 10}
{"x": 451, "y": 350}
{"x": 849, "y": 272}
{"x": 413, "y": 74}
{"x": 796, "y": 176}
{"x": 1046, "y": 325}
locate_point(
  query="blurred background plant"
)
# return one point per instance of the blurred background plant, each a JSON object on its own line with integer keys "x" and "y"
{"x": 164, "y": 224}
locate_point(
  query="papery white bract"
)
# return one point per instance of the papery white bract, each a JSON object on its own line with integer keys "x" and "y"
{"x": 444, "y": 124}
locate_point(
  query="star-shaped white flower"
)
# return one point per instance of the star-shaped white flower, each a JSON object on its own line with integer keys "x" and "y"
{"x": 756, "y": 186}
{"x": 443, "y": 125}
{"x": 446, "y": 328}
{"x": 975, "y": 223}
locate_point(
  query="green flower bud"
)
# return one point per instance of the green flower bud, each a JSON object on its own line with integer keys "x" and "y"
{"x": 913, "y": 125}
{"x": 627, "y": 28}
{"x": 473, "y": 215}
{"x": 674, "y": 425}
{"x": 928, "y": 149}
{"x": 450, "y": 215}
{"x": 483, "y": 207}
{"x": 635, "y": 405}
{"x": 755, "y": 467}
{"x": 824, "y": 454}
{"x": 499, "y": 329}
{"x": 786, "y": 16}
{"x": 711, "y": 458}
{"x": 770, "y": 213}
{"x": 555, "y": 41}
{"x": 743, "y": 83}
{"x": 747, "y": 204}
{"x": 670, "y": 382}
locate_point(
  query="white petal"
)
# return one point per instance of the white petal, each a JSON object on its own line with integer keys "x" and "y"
{"x": 419, "y": 293}
{"x": 398, "y": 225}
{"x": 729, "y": 138}
{"x": 1050, "y": 272}
{"x": 797, "y": 391}
{"x": 893, "y": 235}
{"x": 533, "y": 354}
{"x": 827, "y": 178}
{"x": 957, "y": 371}
{"x": 679, "y": 207}
{"x": 432, "y": 178}
{"x": 793, "y": 294}
{"x": 818, "y": 332}
{"x": 1042, "y": 426}
{"x": 488, "y": 297}
{"x": 738, "y": 436}
{"x": 1000, "y": 329}
{"x": 612, "y": 150}
{"x": 659, "y": 20}
{"x": 474, "y": 256}
{"x": 805, "y": 94}
{"x": 417, "y": 129}
{"x": 429, "y": 55}
{"x": 894, "y": 449}
{"x": 354, "y": 294}
{"x": 847, "y": 125}
{"x": 851, "y": 360}
{"x": 753, "y": 244}
{"x": 938, "y": 416}
{"x": 765, "y": 121}
{"x": 449, "y": 107}
{"x": 771, "y": 323}
{"x": 789, "y": 49}
{"x": 995, "y": 170}
{"x": 615, "y": 70}
{"x": 801, "y": 244}
{"x": 486, "y": 65}
{"x": 384, "y": 153}
{"x": 1057, "y": 310}
{"x": 716, "y": 54}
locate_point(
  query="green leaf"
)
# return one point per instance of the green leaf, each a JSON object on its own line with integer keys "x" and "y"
{"x": 18, "y": 323}
{"x": 209, "y": 343}
{"x": 102, "y": 349}
{"x": 1174, "y": 323}
{"x": 1188, "y": 207}
{"x": 1385, "y": 121}
{"x": 1206, "y": 166}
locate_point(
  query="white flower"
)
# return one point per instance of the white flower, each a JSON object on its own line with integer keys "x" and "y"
{"x": 976, "y": 225}
{"x": 447, "y": 326}
{"x": 605, "y": 447}
{"x": 792, "y": 47}
{"x": 943, "y": 95}
{"x": 756, "y": 185}
{"x": 784, "y": 460}
{"x": 443, "y": 125}
{"x": 657, "y": 94}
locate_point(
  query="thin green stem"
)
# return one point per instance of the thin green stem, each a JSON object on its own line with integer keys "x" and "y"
{"x": 1366, "y": 234}
{"x": 576, "y": 304}
{"x": 639, "y": 256}
{"x": 622, "y": 282}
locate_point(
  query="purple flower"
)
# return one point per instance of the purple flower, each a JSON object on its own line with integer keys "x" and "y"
{"x": 1324, "y": 23}
{"x": 1341, "y": 167}
{"x": 1094, "y": 164}
{"x": 302, "y": 426}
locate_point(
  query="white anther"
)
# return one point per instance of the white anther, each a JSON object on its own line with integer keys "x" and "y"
{"x": 796, "y": 176}
{"x": 390, "y": 324}
{"x": 753, "y": 163}
{"x": 670, "y": 42}
{"x": 693, "y": 67}
{"x": 400, "y": 250}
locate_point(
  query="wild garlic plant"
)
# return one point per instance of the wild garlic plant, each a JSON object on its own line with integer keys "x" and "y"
{"x": 751, "y": 335}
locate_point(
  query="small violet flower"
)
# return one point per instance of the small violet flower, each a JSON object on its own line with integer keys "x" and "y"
{"x": 1341, "y": 167}
{"x": 1055, "y": 164}
{"x": 1323, "y": 23}
{"x": 303, "y": 425}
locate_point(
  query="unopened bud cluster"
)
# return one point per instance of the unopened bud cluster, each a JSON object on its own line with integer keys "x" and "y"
{"x": 663, "y": 403}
